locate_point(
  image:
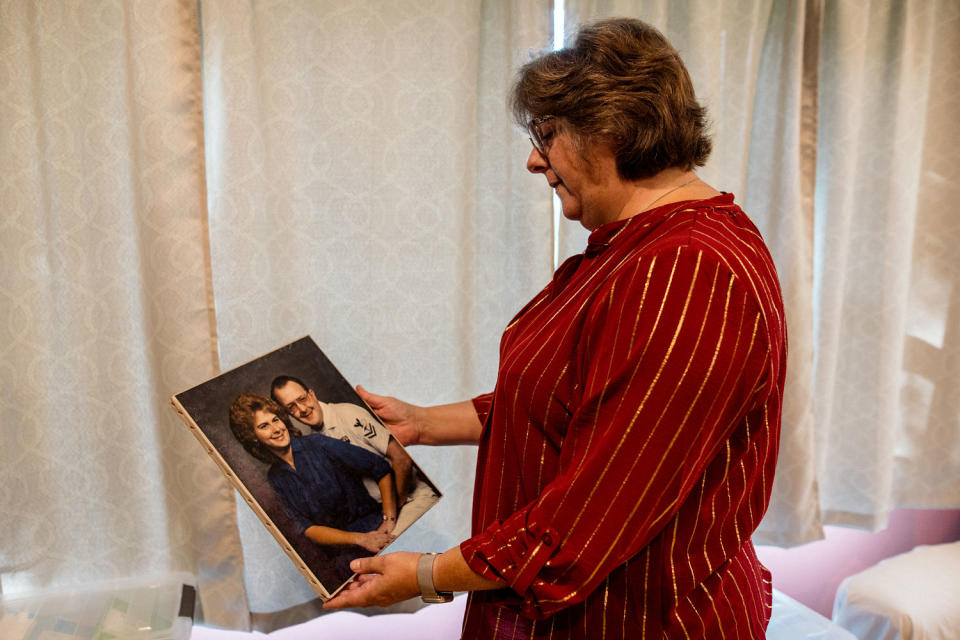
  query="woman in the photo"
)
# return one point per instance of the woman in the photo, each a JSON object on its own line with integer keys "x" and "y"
{"x": 318, "y": 479}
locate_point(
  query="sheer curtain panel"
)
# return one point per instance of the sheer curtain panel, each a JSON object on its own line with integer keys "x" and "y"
{"x": 104, "y": 303}
{"x": 367, "y": 188}
{"x": 888, "y": 260}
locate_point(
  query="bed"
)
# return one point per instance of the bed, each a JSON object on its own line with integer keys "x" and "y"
{"x": 791, "y": 621}
{"x": 911, "y": 596}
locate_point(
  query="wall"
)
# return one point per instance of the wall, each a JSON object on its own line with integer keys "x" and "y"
{"x": 811, "y": 573}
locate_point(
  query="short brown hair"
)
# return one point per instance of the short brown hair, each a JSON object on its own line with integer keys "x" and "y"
{"x": 620, "y": 81}
{"x": 242, "y": 417}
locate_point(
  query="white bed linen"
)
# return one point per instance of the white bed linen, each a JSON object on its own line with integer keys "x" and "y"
{"x": 791, "y": 621}
{"x": 912, "y": 596}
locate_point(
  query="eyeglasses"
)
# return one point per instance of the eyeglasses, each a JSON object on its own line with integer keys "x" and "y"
{"x": 536, "y": 136}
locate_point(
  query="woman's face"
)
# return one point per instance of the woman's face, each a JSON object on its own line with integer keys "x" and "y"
{"x": 587, "y": 184}
{"x": 271, "y": 431}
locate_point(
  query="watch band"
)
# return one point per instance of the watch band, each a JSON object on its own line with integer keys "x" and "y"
{"x": 428, "y": 592}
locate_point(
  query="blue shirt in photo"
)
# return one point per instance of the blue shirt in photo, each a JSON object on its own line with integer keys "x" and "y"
{"x": 326, "y": 488}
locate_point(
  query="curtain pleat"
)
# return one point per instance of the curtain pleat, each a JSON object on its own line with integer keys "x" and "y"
{"x": 888, "y": 267}
{"x": 779, "y": 195}
{"x": 105, "y": 303}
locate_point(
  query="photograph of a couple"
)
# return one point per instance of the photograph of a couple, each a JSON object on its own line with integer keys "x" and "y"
{"x": 324, "y": 475}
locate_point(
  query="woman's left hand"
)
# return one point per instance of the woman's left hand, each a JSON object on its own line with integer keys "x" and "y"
{"x": 387, "y": 526}
{"x": 383, "y": 580}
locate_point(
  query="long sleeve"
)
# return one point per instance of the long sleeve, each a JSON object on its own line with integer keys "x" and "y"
{"x": 671, "y": 356}
{"x": 481, "y": 404}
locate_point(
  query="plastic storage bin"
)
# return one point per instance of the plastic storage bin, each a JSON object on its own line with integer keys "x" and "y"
{"x": 159, "y": 609}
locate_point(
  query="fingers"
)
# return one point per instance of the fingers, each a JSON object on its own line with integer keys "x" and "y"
{"x": 375, "y": 540}
{"x": 347, "y": 598}
{"x": 364, "y": 594}
{"x": 367, "y": 565}
{"x": 370, "y": 398}
{"x": 381, "y": 581}
{"x": 362, "y": 579}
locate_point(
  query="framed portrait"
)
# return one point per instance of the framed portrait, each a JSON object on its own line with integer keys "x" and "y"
{"x": 322, "y": 473}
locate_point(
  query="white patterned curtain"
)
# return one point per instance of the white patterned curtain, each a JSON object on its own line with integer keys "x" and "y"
{"x": 364, "y": 186}
{"x": 104, "y": 303}
{"x": 834, "y": 124}
{"x": 367, "y": 188}
{"x": 888, "y": 247}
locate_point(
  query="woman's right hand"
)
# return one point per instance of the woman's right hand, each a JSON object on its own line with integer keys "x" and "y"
{"x": 375, "y": 540}
{"x": 399, "y": 416}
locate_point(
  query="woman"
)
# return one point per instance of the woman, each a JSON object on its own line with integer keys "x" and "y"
{"x": 318, "y": 479}
{"x": 628, "y": 447}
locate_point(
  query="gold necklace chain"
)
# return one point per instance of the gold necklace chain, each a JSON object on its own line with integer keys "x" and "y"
{"x": 665, "y": 194}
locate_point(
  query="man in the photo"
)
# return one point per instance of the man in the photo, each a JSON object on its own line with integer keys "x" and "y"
{"x": 348, "y": 422}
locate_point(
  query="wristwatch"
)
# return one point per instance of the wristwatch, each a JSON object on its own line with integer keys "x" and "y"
{"x": 428, "y": 593}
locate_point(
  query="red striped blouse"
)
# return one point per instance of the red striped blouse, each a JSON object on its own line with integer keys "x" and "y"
{"x": 629, "y": 444}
